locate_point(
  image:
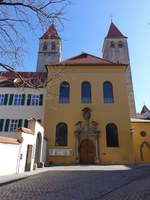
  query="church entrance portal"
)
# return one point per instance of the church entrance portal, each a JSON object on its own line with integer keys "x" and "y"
{"x": 87, "y": 139}
{"x": 87, "y": 152}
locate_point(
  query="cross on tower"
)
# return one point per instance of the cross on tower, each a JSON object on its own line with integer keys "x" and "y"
{"x": 111, "y": 17}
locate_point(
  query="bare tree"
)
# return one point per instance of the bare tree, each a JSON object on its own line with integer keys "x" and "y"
{"x": 19, "y": 15}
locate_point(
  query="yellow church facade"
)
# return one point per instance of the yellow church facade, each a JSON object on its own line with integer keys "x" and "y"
{"x": 86, "y": 138}
{"x": 90, "y": 115}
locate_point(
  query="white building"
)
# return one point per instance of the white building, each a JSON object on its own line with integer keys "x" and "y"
{"x": 22, "y": 96}
{"x": 18, "y": 102}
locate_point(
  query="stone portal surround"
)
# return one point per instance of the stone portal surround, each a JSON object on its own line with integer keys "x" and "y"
{"x": 87, "y": 130}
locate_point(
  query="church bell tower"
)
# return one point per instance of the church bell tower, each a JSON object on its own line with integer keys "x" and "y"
{"x": 49, "y": 49}
{"x": 115, "y": 49}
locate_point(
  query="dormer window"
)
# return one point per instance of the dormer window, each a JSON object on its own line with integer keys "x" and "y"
{"x": 53, "y": 46}
{"x": 112, "y": 44}
{"x": 120, "y": 45}
{"x": 45, "y": 46}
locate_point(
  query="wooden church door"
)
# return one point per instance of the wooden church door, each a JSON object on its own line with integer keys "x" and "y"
{"x": 87, "y": 152}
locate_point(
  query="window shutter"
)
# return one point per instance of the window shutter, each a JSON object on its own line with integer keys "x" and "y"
{"x": 1, "y": 124}
{"x": 23, "y": 99}
{"x": 26, "y": 123}
{"x": 11, "y": 99}
{"x": 20, "y": 123}
{"x": 7, "y": 124}
{"x": 29, "y": 99}
{"x": 41, "y": 100}
{"x": 5, "y": 99}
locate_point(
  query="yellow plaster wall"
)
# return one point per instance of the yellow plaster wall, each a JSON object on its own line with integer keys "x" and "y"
{"x": 117, "y": 113}
{"x": 138, "y": 140}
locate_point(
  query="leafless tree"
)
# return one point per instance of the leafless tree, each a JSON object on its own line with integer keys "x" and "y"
{"x": 19, "y": 15}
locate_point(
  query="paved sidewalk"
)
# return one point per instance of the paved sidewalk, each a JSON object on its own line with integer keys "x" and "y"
{"x": 81, "y": 183}
{"x": 15, "y": 177}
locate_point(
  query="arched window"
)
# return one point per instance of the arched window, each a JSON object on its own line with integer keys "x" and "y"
{"x": 64, "y": 92}
{"x": 45, "y": 46}
{"x": 61, "y": 134}
{"x": 53, "y": 46}
{"x": 120, "y": 45}
{"x": 86, "y": 92}
{"x": 112, "y": 135}
{"x": 112, "y": 44}
{"x": 108, "y": 92}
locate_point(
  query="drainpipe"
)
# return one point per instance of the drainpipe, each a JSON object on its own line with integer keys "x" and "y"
{"x": 18, "y": 161}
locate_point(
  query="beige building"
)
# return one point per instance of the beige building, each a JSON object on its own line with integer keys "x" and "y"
{"x": 20, "y": 101}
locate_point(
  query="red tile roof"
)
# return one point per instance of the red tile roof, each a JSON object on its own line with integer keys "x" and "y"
{"x": 114, "y": 32}
{"x": 86, "y": 59}
{"x": 10, "y": 79}
{"x": 139, "y": 116}
{"x": 25, "y": 130}
{"x": 7, "y": 140}
{"x": 145, "y": 115}
{"x": 51, "y": 33}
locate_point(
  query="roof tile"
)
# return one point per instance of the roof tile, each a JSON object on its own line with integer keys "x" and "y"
{"x": 85, "y": 59}
{"x": 10, "y": 79}
{"x": 8, "y": 140}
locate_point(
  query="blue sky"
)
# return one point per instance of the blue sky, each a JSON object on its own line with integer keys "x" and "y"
{"x": 87, "y": 25}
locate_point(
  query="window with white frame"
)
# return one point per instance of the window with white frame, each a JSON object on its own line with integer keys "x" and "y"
{"x": 17, "y": 99}
{"x": 13, "y": 125}
{"x": 2, "y": 98}
{"x": 35, "y": 100}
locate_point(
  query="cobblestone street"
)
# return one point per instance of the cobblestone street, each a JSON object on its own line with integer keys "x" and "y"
{"x": 133, "y": 184}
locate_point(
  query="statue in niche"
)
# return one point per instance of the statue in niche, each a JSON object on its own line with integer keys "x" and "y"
{"x": 86, "y": 126}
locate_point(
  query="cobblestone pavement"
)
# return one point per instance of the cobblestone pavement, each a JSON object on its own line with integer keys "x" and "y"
{"x": 131, "y": 184}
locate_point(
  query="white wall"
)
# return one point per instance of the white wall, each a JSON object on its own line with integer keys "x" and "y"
{"x": 29, "y": 139}
{"x": 10, "y": 161}
{"x": 9, "y": 154}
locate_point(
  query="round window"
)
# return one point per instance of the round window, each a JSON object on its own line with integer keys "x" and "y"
{"x": 143, "y": 133}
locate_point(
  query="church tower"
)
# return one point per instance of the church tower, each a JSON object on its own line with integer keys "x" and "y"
{"x": 49, "y": 49}
{"x": 115, "y": 49}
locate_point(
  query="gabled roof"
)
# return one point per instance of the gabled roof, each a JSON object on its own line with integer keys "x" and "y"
{"x": 114, "y": 32}
{"x": 144, "y": 116}
{"x": 144, "y": 109}
{"x": 145, "y": 113}
{"x": 85, "y": 59}
{"x": 51, "y": 33}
